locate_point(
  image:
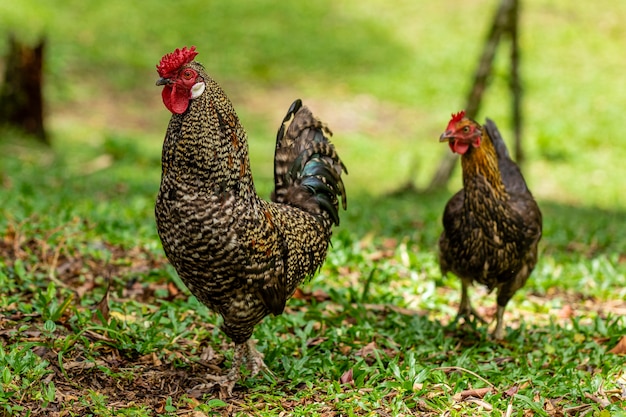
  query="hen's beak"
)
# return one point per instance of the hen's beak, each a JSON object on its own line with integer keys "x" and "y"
{"x": 446, "y": 136}
{"x": 163, "y": 81}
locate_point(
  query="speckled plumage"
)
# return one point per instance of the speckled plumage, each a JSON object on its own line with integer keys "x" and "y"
{"x": 493, "y": 225}
{"x": 240, "y": 255}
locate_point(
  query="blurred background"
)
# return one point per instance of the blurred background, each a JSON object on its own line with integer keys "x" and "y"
{"x": 384, "y": 76}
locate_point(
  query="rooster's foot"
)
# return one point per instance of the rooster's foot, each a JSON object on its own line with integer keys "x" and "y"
{"x": 254, "y": 359}
{"x": 244, "y": 352}
{"x": 226, "y": 383}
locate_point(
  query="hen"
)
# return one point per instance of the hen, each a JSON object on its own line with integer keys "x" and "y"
{"x": 241, "y": 256}
{"x": 493, "y": 225}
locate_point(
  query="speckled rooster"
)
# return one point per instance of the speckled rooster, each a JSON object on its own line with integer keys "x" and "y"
{"x": 240, "y": 255}
{"x": 493, "y": 225}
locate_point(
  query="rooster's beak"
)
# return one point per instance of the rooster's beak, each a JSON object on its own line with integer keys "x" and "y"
{"x": 163, "y": 81}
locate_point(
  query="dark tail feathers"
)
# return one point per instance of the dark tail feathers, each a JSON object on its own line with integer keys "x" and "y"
{"x": 496, "y": 138}
{"x": 307, "y": 169}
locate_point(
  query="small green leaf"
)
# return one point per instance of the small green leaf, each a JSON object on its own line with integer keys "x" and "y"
{"x": 216, "y": 403}
{"x": 50, "y": 392}
{"x": 58, "y": 312}
{"x": 6, "y": 375}
{"x": 49, "y": 326}
{"x": 19, "y": 269}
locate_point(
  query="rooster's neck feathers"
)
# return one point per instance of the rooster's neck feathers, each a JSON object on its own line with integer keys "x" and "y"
{"x": 207, "y": 147}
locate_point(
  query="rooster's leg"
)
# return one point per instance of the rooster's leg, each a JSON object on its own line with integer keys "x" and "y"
{"x": 226, "y": 382}
{"x": 254, "y": 359}
{"x": 243, "y": 352}
{"x": 465, "y": 308}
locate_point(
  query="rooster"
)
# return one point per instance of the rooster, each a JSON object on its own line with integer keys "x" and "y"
{"x": 493, "y": 225}
{"x": 240, "y": 255}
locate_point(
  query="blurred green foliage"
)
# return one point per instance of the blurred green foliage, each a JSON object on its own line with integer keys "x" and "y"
{"x": 386, "y": 75}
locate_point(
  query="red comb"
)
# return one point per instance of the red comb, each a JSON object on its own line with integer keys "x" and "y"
{"x": 457, "y": 117}
{"x": 171, "y": 62}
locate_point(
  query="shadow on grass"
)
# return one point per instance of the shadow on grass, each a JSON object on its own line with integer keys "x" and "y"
{"x": 567, "y": 229}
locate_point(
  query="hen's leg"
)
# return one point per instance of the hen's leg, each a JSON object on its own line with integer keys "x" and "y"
{"x": 498, "y": 333}
{"x": 508, "y": 290}
{"x": 505, "y": 293}
{"x": 465, "y": 308}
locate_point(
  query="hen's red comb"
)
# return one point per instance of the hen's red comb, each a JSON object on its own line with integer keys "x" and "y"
{"x": 457, "y": 117}
{"x": 171, "y": 62}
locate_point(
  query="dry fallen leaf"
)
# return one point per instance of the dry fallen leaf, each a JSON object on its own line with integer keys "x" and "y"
{"x": 103, "y": 305}
{"x": 476, "y": 392}
{"x": 347, "y": 377}
{"x": 172, "y": 289}
{"x": 317, "y": 295}
{"x": 380, "y": 255}
{"x": 344, "y": 349}
{"x": 566, "y": 312}
{"x": 480, "y": 403}
{"x": 298, "y": 294}
{"x": 367, "y": 350}
{"x": 82, "y": 365}
{"x": 549, "y": 407}
{"x": 620, "y": 348}
{"x": 511, "y": 391}
{"x": 314, "y": 341}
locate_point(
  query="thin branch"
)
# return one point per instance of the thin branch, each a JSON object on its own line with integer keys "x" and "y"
{"x": 500, "y": 25}
{"x": 458, "y": 368}
{"x": 602, "y": 402}
{"x": 515, "y": 82}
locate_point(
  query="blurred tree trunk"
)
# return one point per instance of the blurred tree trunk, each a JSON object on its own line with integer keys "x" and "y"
{"x": 21, "y": 95}
{"x": 516, "y": 82}
{"x": 504, "y": 23}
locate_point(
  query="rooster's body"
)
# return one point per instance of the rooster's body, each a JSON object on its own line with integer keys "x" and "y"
{"x": 493, "y": 225}
{"x": 240, "y": 255}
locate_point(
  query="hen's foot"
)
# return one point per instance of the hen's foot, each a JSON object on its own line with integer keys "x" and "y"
{"x": 467, "y": 313}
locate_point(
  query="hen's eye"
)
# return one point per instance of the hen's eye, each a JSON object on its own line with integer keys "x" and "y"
{"x": 466, "y": 129}
{"x": 187, "y": 74}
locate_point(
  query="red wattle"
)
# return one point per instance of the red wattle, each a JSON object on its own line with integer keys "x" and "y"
{"x": 176, "y": 99}
{"x": 459, "y": 147}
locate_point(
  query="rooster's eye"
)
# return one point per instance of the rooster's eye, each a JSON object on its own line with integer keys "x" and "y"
{"x": 466, "y": 129}
{"x": 187, "y": 74}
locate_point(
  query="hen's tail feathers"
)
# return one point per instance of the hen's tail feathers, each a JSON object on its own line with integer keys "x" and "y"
{"x": 307, "y": 169}
{"x": 496, "y": 138}
{"x": 511, "y": 174}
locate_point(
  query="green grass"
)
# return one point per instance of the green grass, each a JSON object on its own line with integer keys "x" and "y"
{"x": 378, "y": 315}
